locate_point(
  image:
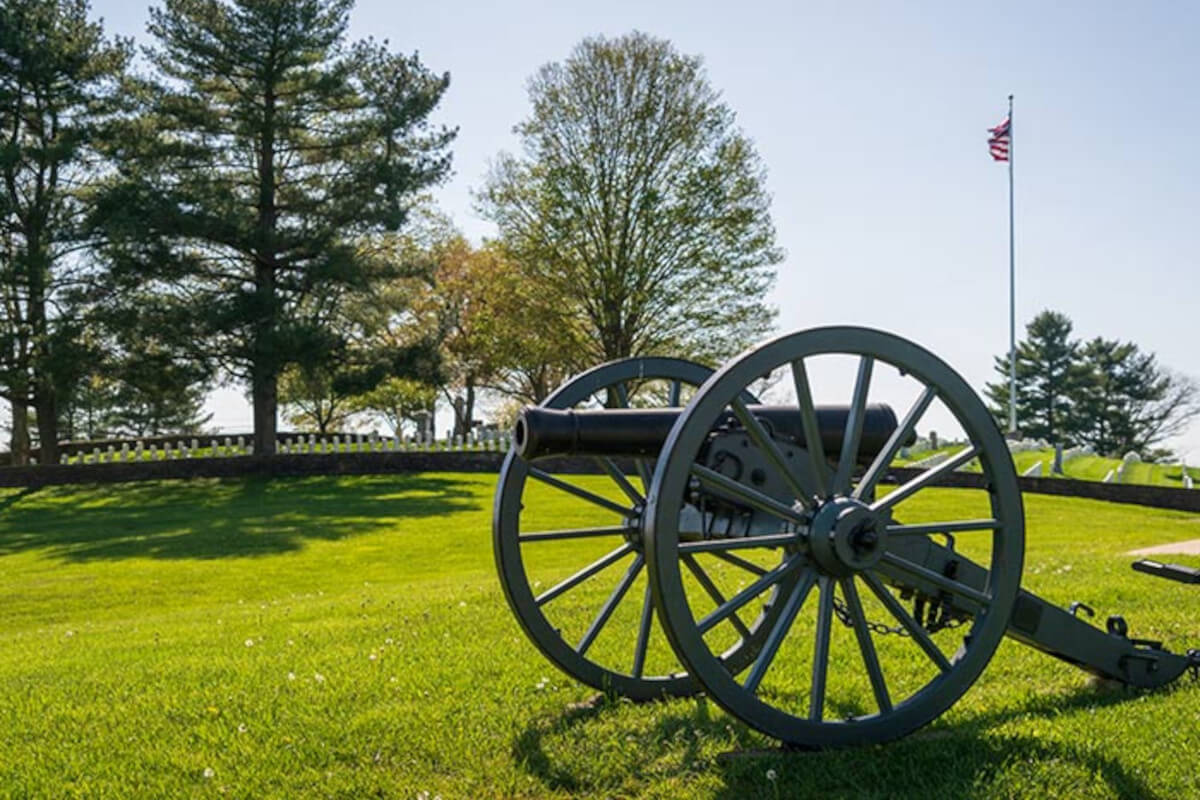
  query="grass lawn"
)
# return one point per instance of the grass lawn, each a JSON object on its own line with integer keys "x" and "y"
{"x": 347, "y": 637}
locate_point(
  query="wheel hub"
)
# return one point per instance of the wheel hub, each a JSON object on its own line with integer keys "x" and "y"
{"x": 846, "y": 537}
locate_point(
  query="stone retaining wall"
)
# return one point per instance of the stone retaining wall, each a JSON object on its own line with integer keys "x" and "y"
{"x": 397, "y": 462}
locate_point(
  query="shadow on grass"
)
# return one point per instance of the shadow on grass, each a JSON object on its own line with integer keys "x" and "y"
{"x": 212, "y": 518}
{"x": 963, "y": 761}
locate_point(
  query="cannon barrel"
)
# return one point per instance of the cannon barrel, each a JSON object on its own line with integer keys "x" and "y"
{"x": 642, "y": 432}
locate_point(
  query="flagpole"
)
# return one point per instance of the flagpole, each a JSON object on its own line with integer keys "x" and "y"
{"x": 1012, "y": 286}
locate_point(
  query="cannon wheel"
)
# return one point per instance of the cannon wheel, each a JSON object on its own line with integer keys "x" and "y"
{"x": 509, "y": 541}
{"x": 794, "y": 707}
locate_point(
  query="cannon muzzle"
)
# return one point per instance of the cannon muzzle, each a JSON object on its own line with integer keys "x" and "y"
{"x": 641, "y": 432}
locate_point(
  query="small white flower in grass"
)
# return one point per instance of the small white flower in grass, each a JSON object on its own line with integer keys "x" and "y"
{"x": 772, "y": 775}
{"x": 462, "y": 603}
{"x": 290, "y": 643}
{"x": 209, "y": 772}
{"x": 318, "y": 677}
{"x": 249, "y": 643}
{"x": 242, "y": 728}
{"x": 69, "y": 634}
{"x": 291, "y": 676}
{"x": 388, "y": 640}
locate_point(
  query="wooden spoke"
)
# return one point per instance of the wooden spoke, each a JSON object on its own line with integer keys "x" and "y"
{"x": 766, "y": 444}
{"x": 812, "y": 429}
{"x": 740, "y": 543}
{"x": 643, "y": 638}
{"x": 956, "y": 526}
{"x": 610, "y": 467}
{"x": 854, "y": 425}
{"x": 925, "y": 479}
{"x": 749, "y": 496}
{"x": 643, "y": 469}
{"x": 894, "y": 443}
{"x": 738, "y": 561}
{"x": 820, "y": 668}
{"x": 582, "y": 494}
{"x": 775, "y": 638}
{"x": 584, "y": 574}
{"x": 918, "y": 633}
{"x": 610, "y": 605}
{"x": 577, "y": 533}
{"x": 746, "y": 595}
{"x": 865, "y": 645}
{"x": 713, "y": 592}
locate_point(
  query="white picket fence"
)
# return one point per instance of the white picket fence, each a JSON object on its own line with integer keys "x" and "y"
{"x": 300, "y": 444}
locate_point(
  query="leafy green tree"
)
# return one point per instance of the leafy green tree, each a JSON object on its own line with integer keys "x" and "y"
{"x": 313, "y": 399}
{"x": 1048, "y": 378}
{"x": 60, "y": 86}
{"x": 637, "y": 206}
{"x": 271, "y": 157}
{"x": 1129, "y": 402}
{"x": 397, "y": 401}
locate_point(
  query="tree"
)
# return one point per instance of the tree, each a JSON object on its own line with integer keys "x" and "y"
{"x": 1129, "y": 402}
{"x": 59, "y": 89}
{"x": 258, "y": 181}
{"x": 312, "y": 399}
{"x": 399, "y": 400}
{"x": 1048, "y": 377}
{"x": 493, "y": 326}
{"x": 638, "y": 207}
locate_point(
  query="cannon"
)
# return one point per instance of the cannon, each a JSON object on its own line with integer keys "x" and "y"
{"x": 775, "y": 554}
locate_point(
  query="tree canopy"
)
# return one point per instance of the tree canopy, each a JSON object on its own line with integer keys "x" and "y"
{"x": 637, "y": 205}
{"x": 270, "y": 157}
{"x": 60, "y": 87}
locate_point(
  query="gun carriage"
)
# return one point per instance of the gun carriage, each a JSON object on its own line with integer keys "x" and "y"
{"x": 756, "y": 526}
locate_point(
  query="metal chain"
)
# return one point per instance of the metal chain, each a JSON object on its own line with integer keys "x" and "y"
{"x": 944, "y": 623}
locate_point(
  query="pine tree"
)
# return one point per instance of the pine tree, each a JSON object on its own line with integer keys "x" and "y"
{"x": 1129, "y": 402}
{"x": 59, "y": 91}
{"x": 1048, "y": 376}
{"x": 270, "y": 157}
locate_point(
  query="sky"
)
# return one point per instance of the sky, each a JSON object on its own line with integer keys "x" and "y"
{"x": 872, "y": 122}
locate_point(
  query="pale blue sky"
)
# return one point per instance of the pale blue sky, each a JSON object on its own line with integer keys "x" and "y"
{"x": 871, "y": 119}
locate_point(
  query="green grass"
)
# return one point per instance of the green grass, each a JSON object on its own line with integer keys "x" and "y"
{"x": 347, "y": 637}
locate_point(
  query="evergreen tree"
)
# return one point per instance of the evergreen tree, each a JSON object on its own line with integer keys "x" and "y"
{"x": 59, "y": 91}
{"x": 1129, "y": 402}
{"x": 1048, "y": 377}
{"x": 270, "y": 157}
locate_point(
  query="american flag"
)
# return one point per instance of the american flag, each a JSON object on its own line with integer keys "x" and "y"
{"x": 1001, "y": 137}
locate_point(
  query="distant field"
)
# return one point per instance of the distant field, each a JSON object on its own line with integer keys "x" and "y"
{"x": 347, "y": 637}
{"x": 1085, "y": 468}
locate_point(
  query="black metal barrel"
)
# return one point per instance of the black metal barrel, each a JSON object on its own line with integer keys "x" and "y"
{"x": 642, "y": 432}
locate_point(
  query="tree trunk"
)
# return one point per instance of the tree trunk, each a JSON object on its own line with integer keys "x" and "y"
{"x": 469, "y": 408}
{"x": 265, "y": 396}
{"x": 46, "y": 406}
{"x": 19, "y": 446}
